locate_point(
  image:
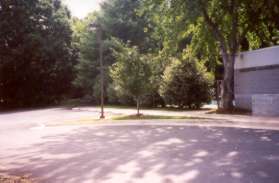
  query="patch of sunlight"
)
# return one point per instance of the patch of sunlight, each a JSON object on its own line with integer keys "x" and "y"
{"x": 141, "y": 132}
{"x": 191, "y": 175}
{"x": 60, "y": 156}
{"x": 224, "y": 140}
{"x": 193, "y": 140}
{"x": 125, "y": 173}
{"x": 223, "y": 162}
{"x": 265, "y": 139}
{"x": 272, "y": 158}
{"x": 160, "y": 130}
{"x": 101, "y": 134}
{"x": 232, "y": 154}
{"x": 228, "y": 159}
{"x": 170, "y": 141}
{"x": 146, "y": 154}
{"x": 135, "y": 172}
{"x": 237, "y": 175}
{"x": 132, "y": 166}
{"x": 201, "y": 154}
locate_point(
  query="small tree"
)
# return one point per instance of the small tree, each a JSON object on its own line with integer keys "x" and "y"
{"x": 186, "y": 83}
{"x": 131, "y": 73}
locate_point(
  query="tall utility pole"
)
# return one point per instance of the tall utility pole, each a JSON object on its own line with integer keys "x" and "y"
{"x": 99, "y": 35}
{"x": 101, "y": 71}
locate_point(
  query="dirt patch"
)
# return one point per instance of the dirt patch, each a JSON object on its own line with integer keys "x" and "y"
{"x": 15, "y": 179}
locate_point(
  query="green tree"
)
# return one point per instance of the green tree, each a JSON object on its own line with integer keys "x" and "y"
{"x": 215, "y": 30}
{"x": 86, "y": 43}
{"x": 131, "y": 73}
{"x": 262, "y": 24}
{"x": 224, "y": 20}
{"x": 119, "y": 19}
{"x": 186, "y": 83}
{"x": 35, "y": 52}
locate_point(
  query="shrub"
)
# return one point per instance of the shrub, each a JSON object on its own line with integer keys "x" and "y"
{"x": 186, "y": 83}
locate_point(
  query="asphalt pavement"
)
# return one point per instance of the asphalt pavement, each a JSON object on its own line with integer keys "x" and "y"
{"x": 130, "y": 153}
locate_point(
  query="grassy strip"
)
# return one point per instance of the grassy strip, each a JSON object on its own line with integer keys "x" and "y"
{"x": 91, "y": 121}
{"x": 144, "y": 117}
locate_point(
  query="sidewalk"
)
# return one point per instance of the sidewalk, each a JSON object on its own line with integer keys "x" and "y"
{"x": 244, "y": 119}
{"x": 240, "y": 121}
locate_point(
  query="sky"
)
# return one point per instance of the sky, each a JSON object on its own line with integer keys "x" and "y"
{"x": 80, "y": 8}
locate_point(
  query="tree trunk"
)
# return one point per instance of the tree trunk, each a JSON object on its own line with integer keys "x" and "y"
{"x": 228, "y": 84}
{"x": 138, "y": 107}
{"x": 228, "y": 49}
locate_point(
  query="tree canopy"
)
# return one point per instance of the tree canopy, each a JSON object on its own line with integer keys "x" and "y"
{"x": 228, "y": 25}
{"x": 119, "y": 19}
{"x": 35, "y": 52}
{"x": 47, "y": 56}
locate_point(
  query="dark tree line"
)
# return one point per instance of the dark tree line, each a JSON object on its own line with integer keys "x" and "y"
{"x": 36, "y": 54}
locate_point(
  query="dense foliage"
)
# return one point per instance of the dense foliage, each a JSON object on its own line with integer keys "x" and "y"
{"x": 119, "y": 19}
{"x": 87, "y": 68}
{"x": 131, "y": 73}
{"x": 215, "y": 29}
{"x": 46, "y": 55}
{"x": 186, "y": 83}
{"x": 36, "y": 54}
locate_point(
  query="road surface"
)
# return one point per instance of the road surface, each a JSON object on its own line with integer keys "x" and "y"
{"x": 131, "y": 153}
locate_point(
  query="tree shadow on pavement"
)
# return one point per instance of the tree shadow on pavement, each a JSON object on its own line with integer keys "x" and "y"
{"x": 153, "y": 154}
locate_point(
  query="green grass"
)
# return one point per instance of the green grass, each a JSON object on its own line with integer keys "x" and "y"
{"x": 144, "y": 117}
{"x": 116, "y": 119}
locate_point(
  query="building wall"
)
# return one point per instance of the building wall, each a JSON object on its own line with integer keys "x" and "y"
{"x": 256, "y": 72}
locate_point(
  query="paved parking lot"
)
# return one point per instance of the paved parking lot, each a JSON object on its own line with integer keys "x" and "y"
{"x": 135, "y": 153}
